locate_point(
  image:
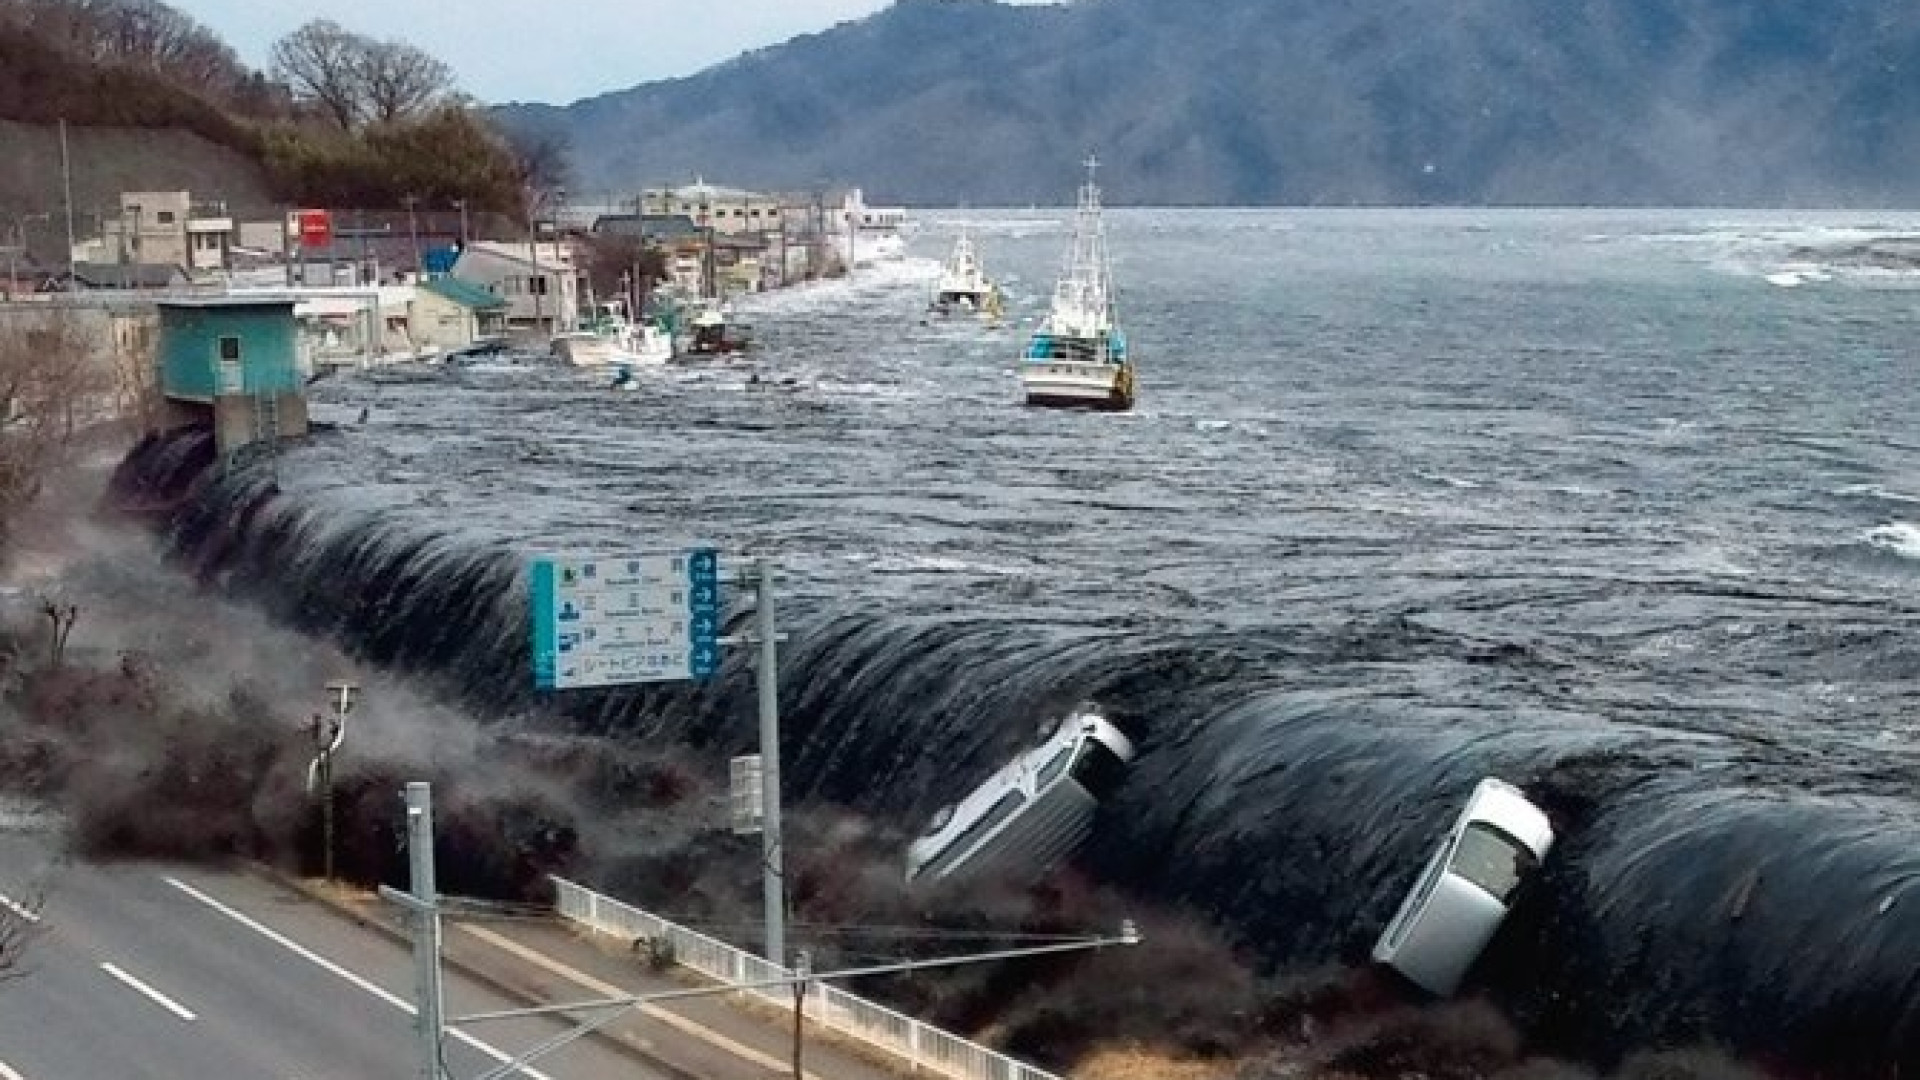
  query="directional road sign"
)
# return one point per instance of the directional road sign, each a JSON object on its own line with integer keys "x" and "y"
{"x": 627, "y": 619}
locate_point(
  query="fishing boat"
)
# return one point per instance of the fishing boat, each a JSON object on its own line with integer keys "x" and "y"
{"x": 608, "y": 338}
{"x": 964, "y": 286}
{"x": 1077, "y": 358}
{"x": 713, "y": 331}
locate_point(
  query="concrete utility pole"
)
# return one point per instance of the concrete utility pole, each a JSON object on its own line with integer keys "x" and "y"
{"x": 66, "y": 182}
{"x": 424, "y": 902}
{"x": 773, "y": 882}
{"x": 413, "y": 233}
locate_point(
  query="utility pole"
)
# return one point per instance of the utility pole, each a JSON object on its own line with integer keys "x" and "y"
{"x": 773, "y": 884}
{"x": 66, "y": 181}
{"x": 802, "y": 966}
{"x": 461, "y": 204}
{"x": 413, "y": 232}
{"x": 424, "y": 903}
{"x": 536, "y": 284}
{"x": 327, "y": 737}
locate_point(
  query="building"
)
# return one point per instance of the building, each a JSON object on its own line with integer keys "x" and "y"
{"x": 450, "y": 314}
{"x": 729, "y": 211}
{"x": 664, "y": 229}
{"x": 540, "y": 282}
{"x": 168, "y": 227}
{"x": 232, "y": 362}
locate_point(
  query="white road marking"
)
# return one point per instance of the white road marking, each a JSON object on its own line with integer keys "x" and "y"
{"x": 155, "y": 996}
{"x": 327, "y": 965}
{"x": 26, "y": 913}
{"x": 8, "y": 1074}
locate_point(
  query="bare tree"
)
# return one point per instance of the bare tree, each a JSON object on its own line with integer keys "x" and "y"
{"x": 137, "y": 33}
{"x": 54, "y": 380}
{"x": 400, "y": 81}
{"x": 540, "y": 162}
{"x": 323, "y": 63}
{"x": 356, "y": 80}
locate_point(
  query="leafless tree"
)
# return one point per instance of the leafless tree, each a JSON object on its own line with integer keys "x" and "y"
{"x": 400, "y": 81}
{"x": 355, "y": 80}
{"x": 541, "y": 163}
{"x": 322, "y": 62}
{"x": 53, "y": 381}
{"x": 139, "y": 33}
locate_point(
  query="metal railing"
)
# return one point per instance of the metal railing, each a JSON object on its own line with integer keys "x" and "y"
{"x": 919, "y": 1045}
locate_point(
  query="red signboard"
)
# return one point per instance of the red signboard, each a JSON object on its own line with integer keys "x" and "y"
{"x": 314, "y": 227}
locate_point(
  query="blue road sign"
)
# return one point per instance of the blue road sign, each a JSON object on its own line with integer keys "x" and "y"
{"x": 629, "y": 619}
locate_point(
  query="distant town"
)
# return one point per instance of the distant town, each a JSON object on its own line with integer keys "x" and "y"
{"x": 374, "y": 286}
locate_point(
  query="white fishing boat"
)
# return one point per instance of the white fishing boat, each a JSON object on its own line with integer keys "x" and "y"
{"x": 964, "y": 287}
{"x": 1078, "y": 357}
{"x": 712, "y": 330}
{"x": 610, "y": 339}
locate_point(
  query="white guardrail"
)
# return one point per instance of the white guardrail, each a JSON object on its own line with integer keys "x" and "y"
{"x": 921, "y": 1046}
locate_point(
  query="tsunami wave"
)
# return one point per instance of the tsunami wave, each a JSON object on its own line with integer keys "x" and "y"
{"x": 1711, "y": 882}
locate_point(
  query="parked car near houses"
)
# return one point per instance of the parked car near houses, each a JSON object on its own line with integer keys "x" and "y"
{"x": 1466, "y": 889}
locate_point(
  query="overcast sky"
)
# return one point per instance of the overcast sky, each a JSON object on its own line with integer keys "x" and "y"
{"x": 554, "y": 51}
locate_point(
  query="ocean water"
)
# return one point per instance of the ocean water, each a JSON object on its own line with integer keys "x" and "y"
{"x": 1621, "y": 506}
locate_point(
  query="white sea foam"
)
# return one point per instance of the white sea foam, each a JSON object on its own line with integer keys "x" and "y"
{"x": 1900, "y": 537}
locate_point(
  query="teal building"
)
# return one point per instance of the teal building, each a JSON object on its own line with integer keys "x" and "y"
{"x": 234, "y": 362}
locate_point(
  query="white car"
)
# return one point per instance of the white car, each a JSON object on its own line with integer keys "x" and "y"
{"x": 1032, "y": 813}
{"x": 1463, "y": 894}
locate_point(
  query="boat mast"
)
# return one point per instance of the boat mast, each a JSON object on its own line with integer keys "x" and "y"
{"x": 1085, "y": 286}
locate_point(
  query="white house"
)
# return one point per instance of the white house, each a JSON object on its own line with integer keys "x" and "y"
{"x": 539, "y": 282}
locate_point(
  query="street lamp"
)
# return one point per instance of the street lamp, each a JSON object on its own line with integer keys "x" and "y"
{"x": 327, "y": 734}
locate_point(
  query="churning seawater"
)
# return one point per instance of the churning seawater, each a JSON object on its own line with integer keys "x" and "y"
{"x": 1623, "y": 507}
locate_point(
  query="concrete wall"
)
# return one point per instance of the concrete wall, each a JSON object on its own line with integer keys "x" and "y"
{"x": 236, "y": 420}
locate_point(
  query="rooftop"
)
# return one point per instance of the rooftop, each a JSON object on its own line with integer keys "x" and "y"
{"x": 464, "y": 293}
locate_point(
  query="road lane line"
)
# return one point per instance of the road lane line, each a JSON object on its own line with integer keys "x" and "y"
{"x": 329, "y": 966}
{"x": 155, "y": 996}
{"x": 8, "y": 1074}
{"x": 26, "y": 913}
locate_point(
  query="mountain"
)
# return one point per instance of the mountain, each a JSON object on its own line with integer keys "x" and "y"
{"x": 1252, "y": 102}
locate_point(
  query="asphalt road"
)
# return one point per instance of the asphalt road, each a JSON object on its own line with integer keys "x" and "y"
{"x": 143, "y": 970}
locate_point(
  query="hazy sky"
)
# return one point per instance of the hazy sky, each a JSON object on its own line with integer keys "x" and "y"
{"x": 554, "y": 51}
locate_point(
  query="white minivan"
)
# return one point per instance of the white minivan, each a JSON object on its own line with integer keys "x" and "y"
{"x": 1452, "y": 911}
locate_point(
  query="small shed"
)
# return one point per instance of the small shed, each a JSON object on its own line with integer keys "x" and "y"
{"x": 234, "y": 362}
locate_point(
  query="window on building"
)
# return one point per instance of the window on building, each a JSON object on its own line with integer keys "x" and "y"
{"x": 229, "y": 350}
{"x": 164, "y": 217}
{"x": 538, "y": 286}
